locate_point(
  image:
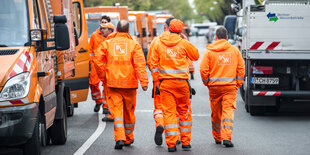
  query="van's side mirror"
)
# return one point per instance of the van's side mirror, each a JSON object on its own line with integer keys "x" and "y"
{"x": 61, "y": 33}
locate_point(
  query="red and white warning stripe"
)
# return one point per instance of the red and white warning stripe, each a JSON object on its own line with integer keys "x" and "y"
{"x": 261, "y": 45}
{"x": 22, "y": 101}
{"x": 23, "y": 63}
{"x": 266, "y": 93}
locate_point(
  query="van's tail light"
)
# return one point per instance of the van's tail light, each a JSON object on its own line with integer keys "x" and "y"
{"x": 262, "y": 70}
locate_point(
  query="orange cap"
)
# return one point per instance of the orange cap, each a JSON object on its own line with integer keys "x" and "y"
{"x": 107, "y": 25}
{"x": 176, "y": 25}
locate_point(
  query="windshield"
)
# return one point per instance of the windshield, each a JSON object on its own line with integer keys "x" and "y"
{"x": 132, "y": 28}
{"x": 92, "y": 26}
{"x": 160, "y": 28}
{"x": 13, "y": 23}
{"x": 114, "y": 21}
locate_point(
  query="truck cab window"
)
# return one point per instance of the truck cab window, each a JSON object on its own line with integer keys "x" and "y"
{"x": 77, "y": 17}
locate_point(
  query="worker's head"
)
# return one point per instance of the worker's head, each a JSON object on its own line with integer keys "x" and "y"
{"x": 123, "y": 26}
{"x": 105, "y": 19}
{"x": 176, "y": 26}
{"x": 167, "y": 23}
{"x": 106, "y": 29}
{"x": 221, "y": 33}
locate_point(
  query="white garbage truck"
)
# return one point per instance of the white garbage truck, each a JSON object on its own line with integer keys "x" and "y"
{"x": 276, "y": 50}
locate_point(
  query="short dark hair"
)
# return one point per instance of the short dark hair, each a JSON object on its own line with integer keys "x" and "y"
{"x": 221, "y": 33}
{"x": 123, "y": 26}
{"x": 106, "y": 18}
{"x": 169, "y": 20}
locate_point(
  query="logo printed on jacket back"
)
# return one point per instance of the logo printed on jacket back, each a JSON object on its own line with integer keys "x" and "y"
{"x": 224, "y": 58}
{"x": 120, "y": 49}
{"x": 172, "y": 53}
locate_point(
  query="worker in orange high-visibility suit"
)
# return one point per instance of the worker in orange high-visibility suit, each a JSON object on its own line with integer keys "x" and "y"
{"x": 222, "y": 70}
{"x": 170, "y": 66}
{"x": 125, "y": 65}
{"x": 95, "y": 40}
{"x": 108, "y": 33}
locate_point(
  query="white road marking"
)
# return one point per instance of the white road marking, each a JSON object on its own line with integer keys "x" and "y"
{"x": 93, "y": 137}
{"x": 194, "y": 115}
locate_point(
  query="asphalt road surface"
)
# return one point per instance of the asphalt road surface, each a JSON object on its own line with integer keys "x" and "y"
{"x": 287, "y": 132}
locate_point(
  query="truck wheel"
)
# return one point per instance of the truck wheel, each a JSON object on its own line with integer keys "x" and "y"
{"x": 70, "y": 110}
{"x": 58, "y": 131}
{"x": 256, "y": 110}
{"x": 33, "y": 145}
{"x": 76, "y": 105}
{"x": 242, "y": 93}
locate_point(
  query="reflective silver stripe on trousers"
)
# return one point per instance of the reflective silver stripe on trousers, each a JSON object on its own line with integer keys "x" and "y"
{"x": 118, "y": 119}
{"x": 227, "y": 120}
{"x": 174, "y": 71}
{"x": 154, "y": 70}
{"x": 103, "y": 102}
{"x": 186, "y": 123}
{"x": 216, "y": 130}
{"x": 129, "y": 125}
{"x": 92, "y": 54}
{"x": 128, "y": 131}
{"x": 223, "y": 79}
{"x": 205, "y": 81}
{"x": 172, "y": 133}
{"x": 103, "y": 96}
{"x": 94, "y": 94}
{"x": 240, "y": 78}
{"x": 95, "y": 98}
{"x": 159, "y": 116}
{"x": 216, "y": 124}
{"x": 157, "y": 112}
{"x": 118, "y": 125}
{"x": 171, "y": 126}
{"x": 227, "y": 127}
{"x": 185, "y": 130}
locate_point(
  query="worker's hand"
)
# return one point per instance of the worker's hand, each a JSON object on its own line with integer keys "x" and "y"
{"x": 144, "y": 88}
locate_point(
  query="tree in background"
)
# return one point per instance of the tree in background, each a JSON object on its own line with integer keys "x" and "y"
{"x": 214, "y": 10}
{"x": 178, "y": 8}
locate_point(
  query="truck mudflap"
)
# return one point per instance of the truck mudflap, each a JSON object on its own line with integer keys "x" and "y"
{"x": 282, "y": 93}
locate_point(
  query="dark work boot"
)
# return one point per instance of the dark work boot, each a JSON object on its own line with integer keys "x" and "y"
{"x": 178, "y": 142}
{"x": 172, "y": 149}
{"x": 107, "y": 119}
{"x": 130, "y": 143}
{"x": 216, "y": 142}
{"x": 186, "y": 147}
{"x": 97, "y": 107}
{"x": 158, "y": 135}
{"x": 228, "y": 143}
{"x": 119, "y": 145}
{"x": 105, "y": 111}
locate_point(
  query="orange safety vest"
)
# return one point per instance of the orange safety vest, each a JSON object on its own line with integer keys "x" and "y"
{"x": 169, "y": 59}
{"x": 125, "y": 62}
{"x": 222, "y": 64}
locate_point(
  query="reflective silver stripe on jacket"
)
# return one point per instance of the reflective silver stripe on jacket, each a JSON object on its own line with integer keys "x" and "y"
{"x": 118, "y": 119}
{"x": 172, "y": 133}
{"x": 227, "y": 127}
{"x": 173, "y": 71}
{"x": 159, "y": 115}
{"x": 92, "y": 54}
{"x": 185, "y": 122}
{"x": 154, "y": 70}
{"x": 118, "y": 125}
{"x": 185, "y": 130}
{"x": 240, "y": 78}
{"x": 129, "y": 125}
{"x": 216, "y": 130}
{"x": 227, "y": 120}
{"x": 158, "y": 112}
{"x": 223, "y": 79}
{"x": 171, "y": 126}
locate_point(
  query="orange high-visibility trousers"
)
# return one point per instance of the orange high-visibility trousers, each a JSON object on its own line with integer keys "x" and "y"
{"x": 174, "y": 98}
{"x": 94, "y": 85}
{"x": 158, "y": 112}
{"x": 107, "y": 105}
{"x": 123, "y": 103}
{"x": 223, "y": 104}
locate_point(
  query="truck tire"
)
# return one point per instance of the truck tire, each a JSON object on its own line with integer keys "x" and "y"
{"x": 70, "y": 110}
{"x": 33, "y": 145}
{"x": 242, "y": 93}
{"x": 76, "y": 105}
{"x": 256, "y": 110}
{"x": 58, "y": 131}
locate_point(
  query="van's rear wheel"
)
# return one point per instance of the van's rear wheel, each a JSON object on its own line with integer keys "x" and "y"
{"x": 58, "y": 131}
{"x": 33, "y": 145}
{"x": 70, "y": 110}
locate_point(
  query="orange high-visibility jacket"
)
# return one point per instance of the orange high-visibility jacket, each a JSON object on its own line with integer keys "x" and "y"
{"x": 222, "y": 64}
{"x": 95, "y": 40}
{"x": 125, "y": 62}
{"x": 169, "y": 58}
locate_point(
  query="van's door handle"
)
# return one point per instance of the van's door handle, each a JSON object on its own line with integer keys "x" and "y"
{"x": 83, "y": 51}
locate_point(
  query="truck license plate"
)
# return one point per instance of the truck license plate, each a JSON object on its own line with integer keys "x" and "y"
{"x": 265, "y": 80}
